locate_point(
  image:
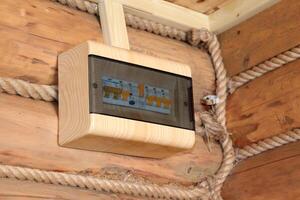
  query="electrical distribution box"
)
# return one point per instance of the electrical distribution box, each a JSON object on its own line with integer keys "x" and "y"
{"x": 120, "y": 101}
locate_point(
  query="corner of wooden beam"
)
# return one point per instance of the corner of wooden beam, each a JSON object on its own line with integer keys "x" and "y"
{"x": 166, "y": 13}
{"x": 236, "y": 11}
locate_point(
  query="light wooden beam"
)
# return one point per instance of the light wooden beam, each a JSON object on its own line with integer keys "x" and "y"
{"x": 113, "y": 23}
{"x": 236, "y": 11}
{"x": 231, "y": 13}
{"x": 165, "y": 13}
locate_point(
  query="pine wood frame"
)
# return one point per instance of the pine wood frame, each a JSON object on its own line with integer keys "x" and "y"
{"x": 230, "y": 14}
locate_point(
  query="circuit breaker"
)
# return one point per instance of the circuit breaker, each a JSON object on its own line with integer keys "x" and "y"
{"x": 120, "y": 101}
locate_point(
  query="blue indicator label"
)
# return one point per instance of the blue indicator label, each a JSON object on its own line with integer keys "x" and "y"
{"x": 134, "y": 95}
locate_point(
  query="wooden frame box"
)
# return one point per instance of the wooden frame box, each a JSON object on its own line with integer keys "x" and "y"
{"x": 79, "y": 128}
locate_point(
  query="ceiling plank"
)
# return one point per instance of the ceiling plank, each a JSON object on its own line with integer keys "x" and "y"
{"x": 235, "y": 11}
{"x": 202, "y": 6}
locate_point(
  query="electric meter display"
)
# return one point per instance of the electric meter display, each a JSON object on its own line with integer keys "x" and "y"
{"x": 136, "y": 92}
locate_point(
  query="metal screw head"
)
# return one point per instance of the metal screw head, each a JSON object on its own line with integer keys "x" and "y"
{"x": 95, "y": 85}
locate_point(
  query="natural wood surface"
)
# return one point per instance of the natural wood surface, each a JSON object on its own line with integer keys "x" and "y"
{"x": 261, "y": 37}
{"x": 161, "y": 11}
{"x": 203, "y": 6}
{"x": 271, "y": 175}
{"x": 234, "y": 12}
{"x": 275, "y": 155}
{"x": 33, "y": 34}
{"x": 113, "y": 24}
{"x": 29, "y": 138}
{"x": 78, "y": 128}
{"x": 266, "y": 107}
{"x": 12, "y": 189}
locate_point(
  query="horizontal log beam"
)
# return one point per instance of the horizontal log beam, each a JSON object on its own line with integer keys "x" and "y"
{"x": 266, "y": 106}
{"x": 32, "y": 41}
{"x": 271, "y": 175}
{"x": 261, "y": 37}
{"x": 31, "y": 190}
{"x": 271, "y": 156}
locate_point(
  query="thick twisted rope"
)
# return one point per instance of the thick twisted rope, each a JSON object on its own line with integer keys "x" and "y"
{"x": 29, "y": 90}
{"x": 263, "y": 68}
{"x": 204, "y": 191}
{"x": 103, "y": 185}
{"x": 209, "y": 188}
{"x": 131, "y": 20}
{"x": 196, "y": 38}
{"x": 267, "y": 144}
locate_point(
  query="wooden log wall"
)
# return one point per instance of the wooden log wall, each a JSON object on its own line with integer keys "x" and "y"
{"x": 265, "y": 107}
{"x": 32, "y": 34}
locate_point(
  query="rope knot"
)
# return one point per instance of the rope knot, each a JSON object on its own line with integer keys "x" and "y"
{"x": 208, "y": 126}
{"x": 196, "y": 36}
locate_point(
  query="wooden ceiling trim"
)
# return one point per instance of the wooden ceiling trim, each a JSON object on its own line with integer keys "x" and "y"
{"x": 166, "y": 13}
{"x": 234, "y": 12}
{"x": 202, "y": 6}
{"x": 229, "y": 13}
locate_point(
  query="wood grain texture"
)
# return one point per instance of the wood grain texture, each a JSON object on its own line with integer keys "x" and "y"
{"x": 31, "y": 36}
{"x": 234, "y": 12}
{"x": 272, "y": 156}
{"x": 34, "y": 125}
{"x": 161, "y": 11}
{"x": 12, "y": 189}
{"x": 203, "y": 6}
{"x": 271, "y": 175}
{"x": 113, "y": 23}
{"x": 34, "y": 33}
{"x": 139, "y": 59}
{"x": 266, "y": 107}
{"x": 261, "y": 37}
{"x": 80, "y": 129}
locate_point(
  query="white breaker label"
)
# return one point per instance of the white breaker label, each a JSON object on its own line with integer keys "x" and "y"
{"x": 134, "y": 95}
